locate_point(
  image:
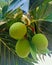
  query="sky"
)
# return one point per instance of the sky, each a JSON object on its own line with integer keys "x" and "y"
{"x": 47, "y": 61}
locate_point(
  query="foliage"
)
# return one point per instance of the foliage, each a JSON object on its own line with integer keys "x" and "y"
{"x": 39, "y": 14}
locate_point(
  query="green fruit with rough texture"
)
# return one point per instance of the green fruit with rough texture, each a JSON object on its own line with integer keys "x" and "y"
{"x": 22, "y": 48}
{"x": 40, "y": 41}
{"x": 17, "y": 30}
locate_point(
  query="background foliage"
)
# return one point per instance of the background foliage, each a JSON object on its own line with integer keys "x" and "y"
{"x": 41, "y": 12}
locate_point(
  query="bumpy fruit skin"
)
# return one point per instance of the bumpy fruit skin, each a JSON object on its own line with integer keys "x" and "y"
{"x": 22, "y": 48}
{"x": 17, "y": 30}
{"x": 40, "y": 41}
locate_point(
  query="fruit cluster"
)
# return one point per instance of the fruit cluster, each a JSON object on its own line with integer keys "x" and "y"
{"x": 19, "y": 31}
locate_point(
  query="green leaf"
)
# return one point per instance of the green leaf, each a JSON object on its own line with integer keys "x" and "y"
{"x": 46, "y": 51}
{"x": 4, "y": 9}
{"x": 48, "y": 18}
{"x": 30, "y": 60}
{"x": 46, "y": 1}
{"x": 2, "y": 3}
{"x": 48, "y": 13}
{"x": 33, "y": 52}
{"x": 44, "y": 10}
{"x": 40, "y": 11}
{"x": 34, "y": 3}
